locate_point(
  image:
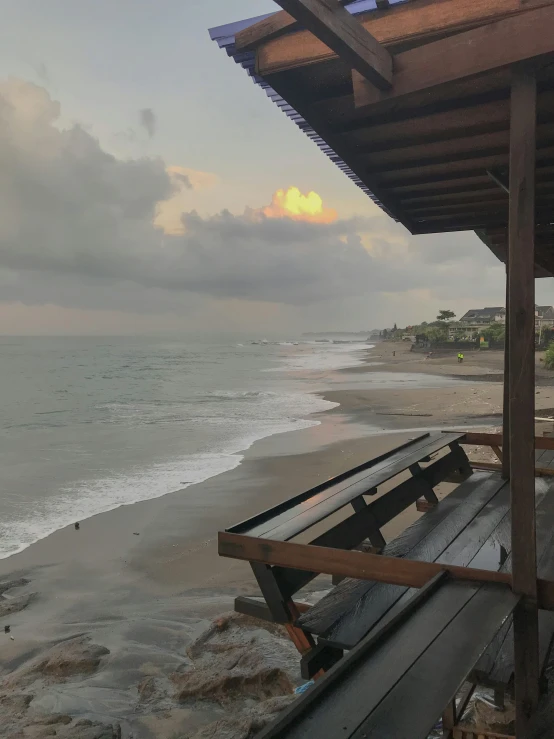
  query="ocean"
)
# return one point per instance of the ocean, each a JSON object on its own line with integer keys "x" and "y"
{"x": 90, "y": 424}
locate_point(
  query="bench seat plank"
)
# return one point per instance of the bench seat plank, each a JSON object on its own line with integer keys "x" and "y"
{"x": 342, "y": 701}
{"x": 324, "y": 614}
{"x": 415, "y": 703}
{"x": 318, "y": 503}
{"x": 441, "y": 548}
{"x": 365, "y": 602}
{"x": 496, "y": 666}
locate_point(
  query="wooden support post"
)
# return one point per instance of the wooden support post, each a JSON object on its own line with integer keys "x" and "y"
{"x": 506, "y": 398}
{"x": 521, "y": 318}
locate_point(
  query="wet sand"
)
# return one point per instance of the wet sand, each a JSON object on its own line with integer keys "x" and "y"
{"x": 144, "y": 581}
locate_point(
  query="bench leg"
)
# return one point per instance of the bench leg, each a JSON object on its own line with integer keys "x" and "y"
{"x": 499, "y": 699}
{"x": 428, "y": 494}
{"x": 283, "y": 610}
{"x": 375, "y": 536}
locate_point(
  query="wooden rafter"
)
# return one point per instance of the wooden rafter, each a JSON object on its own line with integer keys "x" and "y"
{"x": 402, "y": 24}
{"x": 345, "y": 35}
{"x": 484, "y": 49}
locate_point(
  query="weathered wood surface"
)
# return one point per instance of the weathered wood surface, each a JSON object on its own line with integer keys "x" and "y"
{"x": 348, "y": 608}
{"x": 499, "y": 44}
{"x": 349, "y": 477}
{"x": 456, "y": 542}
{"x": 496, "y": 666}
{"x": 482, "y": 439}
{"x": 292, "y": 517}
{"x": 407, "y": 673}
{"x": 346, "y": 36}
{"x": 420, "y": 695}
{"x": 521, "y": 307}
{"x": 350, "y": 532}
{"x": 399, "y": 26}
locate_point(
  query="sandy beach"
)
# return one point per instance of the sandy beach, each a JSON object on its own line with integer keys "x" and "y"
{"x": 118, "y": 628}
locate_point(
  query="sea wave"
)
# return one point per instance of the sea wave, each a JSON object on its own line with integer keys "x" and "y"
{"x": 276, "y": 413}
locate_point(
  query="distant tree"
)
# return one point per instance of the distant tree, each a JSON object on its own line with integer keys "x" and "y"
{"x": 549, "y": 357}
{"x": 385, "y": 333}
{"x": 395, "y": 327}
{"x": 496, "y": 332}
{"x": 436, "y": 334}
{"x": 446, "y": 315}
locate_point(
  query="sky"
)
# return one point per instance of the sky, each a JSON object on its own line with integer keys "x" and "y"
{"x": 146, "y": 185}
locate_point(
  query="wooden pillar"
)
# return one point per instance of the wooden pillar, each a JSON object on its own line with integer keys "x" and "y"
{"x": 521, "y": 323}
{"x": 506, "y": 397}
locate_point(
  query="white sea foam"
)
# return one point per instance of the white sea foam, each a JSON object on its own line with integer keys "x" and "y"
{"x": 268, "y": 413}
{"x": 324, "y": 356}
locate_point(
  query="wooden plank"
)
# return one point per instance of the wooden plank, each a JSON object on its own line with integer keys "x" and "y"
{"x": 352, "y": 531}
{"x": 423, "y": 128}
{"x": 493, "y": 466}
{"x": 344, "y": 597}
{"x": 375, "y": 515}
{"x": 397, "y": 27}
{"x": 348, "y": 477}
{"x": 340, "y": 701}
{"x": 267, "y": 28}
{"x": 410, "y": 709}
{"x": 521, "y": 307}
{"x": 497, "y": 664}
{"x": 346, "y": 36}
{"x": 313, "y": 509}
{"x": 360, "y": 565}
{"x": 483, "y": 49}
{"x": 264, "y": 30}
{"x": 456, "y": 545}
{"x": 482, "y": 439}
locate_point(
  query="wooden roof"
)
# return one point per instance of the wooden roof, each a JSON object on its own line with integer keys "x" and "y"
{"x": 436, "y": 159}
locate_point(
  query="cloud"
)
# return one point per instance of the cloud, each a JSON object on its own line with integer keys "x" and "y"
{"x": 147, "y": 119}
{"x": 169, "y": 212}
{"x": 83, "y": 229}
{"x": 291, "y": 203}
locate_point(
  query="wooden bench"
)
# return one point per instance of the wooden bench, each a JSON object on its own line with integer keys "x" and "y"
{"x": 475, "y": 534}
{"x": 396, "y": 681}
{"x": 293, "y": 517}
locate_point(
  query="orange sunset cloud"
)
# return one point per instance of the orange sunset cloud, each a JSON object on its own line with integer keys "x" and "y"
{"x": 291, "y": 203}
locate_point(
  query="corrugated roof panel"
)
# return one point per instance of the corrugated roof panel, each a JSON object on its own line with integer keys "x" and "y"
{"x": 224, "y": 36}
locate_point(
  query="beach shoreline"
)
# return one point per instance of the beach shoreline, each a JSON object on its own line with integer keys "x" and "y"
{"x": 144, "y": 581}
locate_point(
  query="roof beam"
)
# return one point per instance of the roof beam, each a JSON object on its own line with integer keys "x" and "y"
{"x": 341, "y": 32}
{"x": 509, "y": 41}
{"x": 279, "y": 49}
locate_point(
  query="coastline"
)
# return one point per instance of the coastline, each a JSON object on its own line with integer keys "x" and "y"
{"x": 144, "y": 581}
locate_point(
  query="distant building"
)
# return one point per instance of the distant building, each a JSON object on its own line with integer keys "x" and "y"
{"x": 474, "y": 321}
{"x": 484, "y": 316}
{"x": 544, "y": 317}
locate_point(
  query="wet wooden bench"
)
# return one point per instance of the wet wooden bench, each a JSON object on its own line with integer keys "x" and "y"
{"x": 291, "y": 518}
{"x": 470, "y": 528}
{"x": 396, "y": 682}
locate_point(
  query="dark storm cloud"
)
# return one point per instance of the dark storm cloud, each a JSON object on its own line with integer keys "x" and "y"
{"x": 76, "y": 226}
{"x": 147, "y": 119}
